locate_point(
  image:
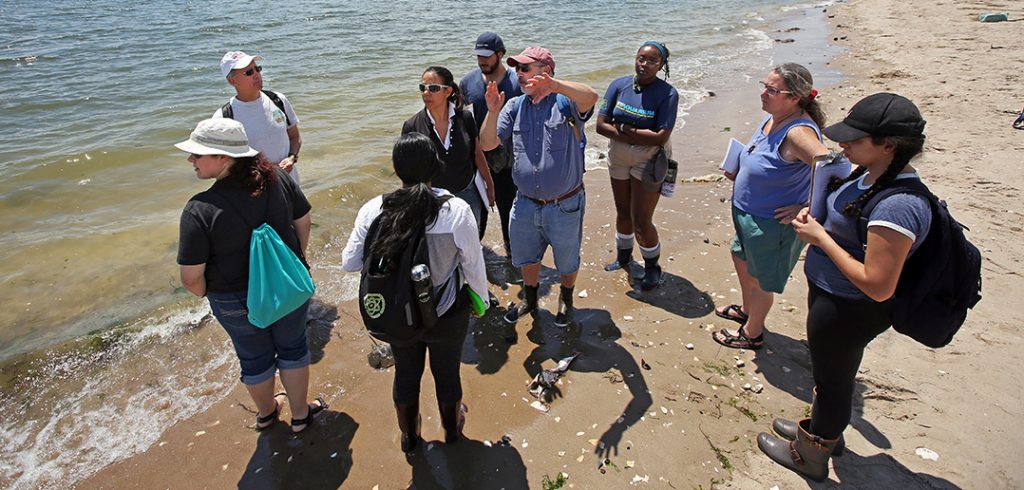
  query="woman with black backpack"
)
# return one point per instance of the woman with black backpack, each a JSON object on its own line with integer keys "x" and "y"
{"x": 456, "y": 260}
{"x": 851, "y": 279}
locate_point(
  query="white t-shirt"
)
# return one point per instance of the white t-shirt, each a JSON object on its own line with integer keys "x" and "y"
{"x": 266, "y": 127}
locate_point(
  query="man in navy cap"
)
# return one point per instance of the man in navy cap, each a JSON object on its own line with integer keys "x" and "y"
{"x": 489, "y": 51}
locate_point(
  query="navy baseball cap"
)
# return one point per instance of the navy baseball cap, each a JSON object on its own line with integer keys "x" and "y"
{"x": 881, "y": 114}
{"x": 487, "y": 44}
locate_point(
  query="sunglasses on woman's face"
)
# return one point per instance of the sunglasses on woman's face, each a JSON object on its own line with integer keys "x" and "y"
{"x": 433, "y": 87}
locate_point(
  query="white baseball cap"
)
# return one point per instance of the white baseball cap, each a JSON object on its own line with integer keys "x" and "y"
{"x": 234, "y": 60}
{"x": 218, "y": 137}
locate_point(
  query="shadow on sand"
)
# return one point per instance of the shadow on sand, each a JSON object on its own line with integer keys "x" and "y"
{"x": 467, "y": 464}
{"x": 318, "y": 457}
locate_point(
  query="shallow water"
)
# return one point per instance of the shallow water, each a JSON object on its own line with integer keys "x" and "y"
{"x": 93, "y": 96}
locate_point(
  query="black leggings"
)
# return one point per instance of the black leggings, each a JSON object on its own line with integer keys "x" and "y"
{"x": 445, "y": 361}
{"x": 838, "y": 330}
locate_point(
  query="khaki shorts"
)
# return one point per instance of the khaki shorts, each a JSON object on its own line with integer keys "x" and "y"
{"x": 626, "y": 160}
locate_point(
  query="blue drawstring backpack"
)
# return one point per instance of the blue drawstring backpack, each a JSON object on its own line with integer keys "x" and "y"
{"x": 278, "y": 281}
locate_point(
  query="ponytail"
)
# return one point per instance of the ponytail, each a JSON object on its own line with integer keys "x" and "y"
{"x": 799, "y": 81}
{"x": 449, "y": 81}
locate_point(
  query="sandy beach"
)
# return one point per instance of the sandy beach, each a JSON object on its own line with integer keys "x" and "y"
{"x": 663, "y": 414}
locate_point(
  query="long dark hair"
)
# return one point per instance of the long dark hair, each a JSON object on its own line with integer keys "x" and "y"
{"x": 800, "y": 82}
{"x": 448, "y": 80}
{"x": 254, "y": 174}
{"x": 906, "y": 148}
{"x": 414, "y": 205}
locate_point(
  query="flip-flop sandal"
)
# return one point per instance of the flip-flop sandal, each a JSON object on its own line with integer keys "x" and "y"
{"x": 264, "y": 422}
{"x": 734, "y": 313}
{"x": 308, "y": 419}
{"x": 1019, "y": 123}
{"x": 739, "y": 341}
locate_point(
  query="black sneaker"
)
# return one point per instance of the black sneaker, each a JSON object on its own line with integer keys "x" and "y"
{"x": 517, "y": 311}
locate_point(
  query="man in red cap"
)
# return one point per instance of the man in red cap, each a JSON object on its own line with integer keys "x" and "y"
{"x": 546, "y": 129}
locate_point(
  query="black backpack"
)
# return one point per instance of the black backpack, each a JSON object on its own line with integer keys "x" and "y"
{"x": 387, "y": 300}
{"x": 228, "y": 113}
{"x": 940, "y": 281}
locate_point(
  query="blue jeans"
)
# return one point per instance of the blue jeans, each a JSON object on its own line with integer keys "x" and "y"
{"x": 262, "y": 351}
{"x": 532, "y": 227}
{"x": 472, "y": 197}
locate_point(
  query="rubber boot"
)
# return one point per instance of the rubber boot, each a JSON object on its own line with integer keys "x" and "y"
{"x": 652, "y": 274}
{"x": 622, "y": 260}
{"x": 409, "y": 424}
{"x": 527, "y": 305}
{"x": 453, "y": 419}
{"x": 808, "y": 454}
{"x": 787, "y": 429}
{"x": 565, "y": 309}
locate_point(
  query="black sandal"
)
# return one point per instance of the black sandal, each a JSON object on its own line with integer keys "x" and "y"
{"x": 740, "y": 340}
{"x": 736, "y": 314}
{"x": 313, "y": 410}
{"x": 263, "y": 423}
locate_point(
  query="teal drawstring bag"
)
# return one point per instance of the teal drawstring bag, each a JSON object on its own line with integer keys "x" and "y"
{"x": 278, "y": 281}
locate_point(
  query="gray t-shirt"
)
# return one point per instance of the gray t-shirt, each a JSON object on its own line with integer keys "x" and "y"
{"x": 908, "y": 214}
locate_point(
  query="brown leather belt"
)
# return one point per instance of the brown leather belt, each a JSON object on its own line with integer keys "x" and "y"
{"x": 569, "y": 194}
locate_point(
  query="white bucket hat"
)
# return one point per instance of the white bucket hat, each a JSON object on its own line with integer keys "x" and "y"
{"x": 218, "y": 137}
{"x": 234, "y": 60}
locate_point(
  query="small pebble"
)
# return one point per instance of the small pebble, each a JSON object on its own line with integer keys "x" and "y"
{"x": 740, "y": 363}
{"x": 689, "y": 346}
{"x": 758, "y": 388}
{"x": 583, "y": 294}
{"x": 747, "y": 386}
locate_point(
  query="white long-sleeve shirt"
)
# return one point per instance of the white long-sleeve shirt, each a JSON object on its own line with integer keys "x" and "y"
{"x": 452, "y": 241}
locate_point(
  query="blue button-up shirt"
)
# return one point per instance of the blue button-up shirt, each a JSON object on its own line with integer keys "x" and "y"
{"x": 548, "y": 158}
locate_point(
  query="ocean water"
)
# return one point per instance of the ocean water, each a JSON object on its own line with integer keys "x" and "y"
{"x": 94, "y": 93}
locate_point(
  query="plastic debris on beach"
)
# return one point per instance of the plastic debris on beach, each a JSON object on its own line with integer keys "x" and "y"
{"x": 928, "y": 454}
{"x": 996, "y": 17}
{"x": 380, "y": 356}
{"x": 639, "y": 479}
{"x": 547, "y": 378}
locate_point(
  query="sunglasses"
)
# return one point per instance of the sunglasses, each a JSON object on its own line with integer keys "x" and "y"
{"x": 432, "y": 87}
{"x": 250, "y": 71}
{"x": 525, "y": 67}
{"x": 772, "y": 91}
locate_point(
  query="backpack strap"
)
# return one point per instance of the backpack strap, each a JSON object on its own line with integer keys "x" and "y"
{"x": 228, "y": 113}
{"x": 900, "y": 186}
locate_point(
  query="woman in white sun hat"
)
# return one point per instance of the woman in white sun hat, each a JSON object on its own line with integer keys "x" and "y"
{"x": 213, "y": 252}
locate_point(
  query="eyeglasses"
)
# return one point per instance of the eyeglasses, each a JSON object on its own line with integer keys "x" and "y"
{"x": 433, "y": 87}
{"x": 250, "y": 71}
{"x": 525, "y": 67}
{"x": 640, "y": 60}
{"x": 772, "y": 91}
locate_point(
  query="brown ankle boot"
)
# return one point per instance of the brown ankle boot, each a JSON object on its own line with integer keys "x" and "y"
{"x": 787, "y": 429}
{"x": 808, "y": 454}
{"x": 409, "y": 424}
{"x": 453, "y": 418}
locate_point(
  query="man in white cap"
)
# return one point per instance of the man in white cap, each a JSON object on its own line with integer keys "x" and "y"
{"x": 268, "y": 117}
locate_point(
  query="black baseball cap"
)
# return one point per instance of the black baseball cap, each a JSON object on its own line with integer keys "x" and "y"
{"x": 882, "y": 114}
{"x": 487, "y": 44}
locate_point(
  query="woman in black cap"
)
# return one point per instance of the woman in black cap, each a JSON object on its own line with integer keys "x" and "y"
{"x": 638, "y": 114}
{"x": 849, "y": 286}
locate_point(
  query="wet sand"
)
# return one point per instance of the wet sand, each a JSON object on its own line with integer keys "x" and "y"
{"x": 671, "y": 417}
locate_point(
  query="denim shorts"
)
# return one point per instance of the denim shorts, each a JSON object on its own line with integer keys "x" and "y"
{"x": 770, "y": 249}
{"x": 262, "y": 351}
{"x": 532, "y": 227}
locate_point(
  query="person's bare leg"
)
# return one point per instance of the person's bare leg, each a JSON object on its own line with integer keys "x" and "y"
{"x": 296, "y": 384}
{"x": 642, "y": 205}
{"x": 756, "y": 301}
{"x": 263, "y": 395}
{"x": 531, "y": 274}
{"x": 623, "y": 225}
{"x": 569, "y": 280}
